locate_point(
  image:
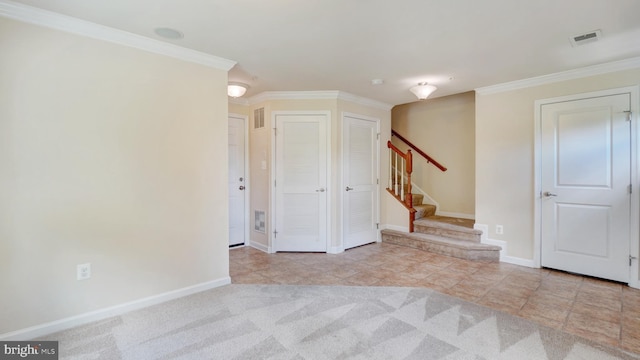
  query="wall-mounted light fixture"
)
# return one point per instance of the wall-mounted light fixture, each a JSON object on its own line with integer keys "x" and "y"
{"x": 423, "y": 90}
{"x": 236, "y": 89}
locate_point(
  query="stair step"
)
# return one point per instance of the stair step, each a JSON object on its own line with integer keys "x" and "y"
{"x": 453, "y": 228}
{"x": 417, "y": 199}
{"x": 461, "y": 249}
{"x": 424, "y": 210}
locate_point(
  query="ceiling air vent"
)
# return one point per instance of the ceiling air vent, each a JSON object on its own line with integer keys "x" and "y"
{"x": 581, "y": 39}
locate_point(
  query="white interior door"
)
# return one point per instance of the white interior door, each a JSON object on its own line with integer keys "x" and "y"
{"x": 301, "y": 182}
{"x": 585, "y": 183}
{"x": 360, "y": 178}
{"x": 237, "y": 213}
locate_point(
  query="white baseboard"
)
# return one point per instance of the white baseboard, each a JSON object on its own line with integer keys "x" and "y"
{"x": 484, "y": 238}
{"x": 70, "y": 322}
{"x": 394, "y": 227}
{"x": 456, "y": 215}
{"x": 260, "y": 247}
{"x": 335, "y": 250}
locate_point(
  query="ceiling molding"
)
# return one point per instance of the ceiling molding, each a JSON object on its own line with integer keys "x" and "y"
{"x": 594, "y": 70}
{"x": 84, "y": 28}
{"x": 364, "y": 101}
{"x": 318, "y": 95}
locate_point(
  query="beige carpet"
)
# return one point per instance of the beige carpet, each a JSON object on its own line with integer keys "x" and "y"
{"x": 322, "y": 322}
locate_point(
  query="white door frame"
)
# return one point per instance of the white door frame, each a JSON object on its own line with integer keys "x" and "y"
{"x": 343, "y": 184}
{"x": 272, "y": 194}
{"x": 247, "y": 187}
{"x": 634, "y": 241}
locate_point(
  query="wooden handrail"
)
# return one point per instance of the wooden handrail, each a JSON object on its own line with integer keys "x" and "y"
{"x": 429, "y": 158}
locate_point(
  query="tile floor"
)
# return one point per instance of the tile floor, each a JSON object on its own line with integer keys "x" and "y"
{"x": 602, "y": 311}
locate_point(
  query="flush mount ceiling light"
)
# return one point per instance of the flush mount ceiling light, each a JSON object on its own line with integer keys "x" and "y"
{"x": 169, "y": 33}
{"x": 423, "y": 90}
{"x": 236, "y": 89}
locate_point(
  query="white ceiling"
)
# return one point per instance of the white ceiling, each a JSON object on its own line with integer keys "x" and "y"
{"x": 289, "y": 45}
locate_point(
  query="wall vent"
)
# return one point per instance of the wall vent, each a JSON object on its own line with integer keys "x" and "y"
{"x": 260, "y": 221}
{"x": 258, "y": 118}
{"x": 581, "y": 39}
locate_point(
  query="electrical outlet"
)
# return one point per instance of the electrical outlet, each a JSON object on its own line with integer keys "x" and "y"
{"x": 499, "y": 229}
{"x": 83, "y": 271}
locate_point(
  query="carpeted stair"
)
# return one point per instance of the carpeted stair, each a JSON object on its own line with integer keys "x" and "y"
{"x": 443, "y": 235}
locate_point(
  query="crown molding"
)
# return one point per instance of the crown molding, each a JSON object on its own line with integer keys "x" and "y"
{"x": 318, "y": 95}
{"x": 84, "y": 28}
{"x": 583, "y": 72}
{"x": 364, "y": 101}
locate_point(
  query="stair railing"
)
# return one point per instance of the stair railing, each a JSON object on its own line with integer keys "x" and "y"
{"x": 400, "y": 169}
{"x": 417, "y": 149}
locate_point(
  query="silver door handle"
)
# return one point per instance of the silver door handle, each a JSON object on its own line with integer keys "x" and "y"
{"x": 349, "y": 188}
{"x": 241, "y": 187}
{"x": 549, "y": 194}
{"x": 320, "y": 190}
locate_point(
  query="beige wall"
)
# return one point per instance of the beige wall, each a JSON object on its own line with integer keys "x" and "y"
{"x": 444, "y": 128}
{"x": 505, "y": 155}
{"x": 108, "y": 155}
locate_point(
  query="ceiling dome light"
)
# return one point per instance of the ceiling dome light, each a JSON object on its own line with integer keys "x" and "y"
{"x": 169, "y": 33}
{"x": 236, "y": 90}
{"x": 423, "y": 90}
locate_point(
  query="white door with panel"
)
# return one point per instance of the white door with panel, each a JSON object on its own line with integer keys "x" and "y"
{"x": 237, "y": 176}
{"x": 301, "y": 182}
{"x": 360, "y": 178}
{"x": 585, "y": 186}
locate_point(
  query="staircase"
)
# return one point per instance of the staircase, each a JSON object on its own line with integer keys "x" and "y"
{"x": 444, "y": 235}
{"x": 427, "y": 231}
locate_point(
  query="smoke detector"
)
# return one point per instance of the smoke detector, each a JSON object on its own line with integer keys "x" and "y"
{"x": 581, "y": 39}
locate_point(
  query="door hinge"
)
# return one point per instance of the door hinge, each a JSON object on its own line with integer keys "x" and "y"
{"x": 377, "y": 226}
{"x": 630, "y": 188}
{"x": 377, "y": 181}
{"x": 631, "y": 258}
{"x": 378, "y": 136}
{"x": 274, "y": 183}
{"x": 275, "y": 233}
{"x": 628, "y": 115}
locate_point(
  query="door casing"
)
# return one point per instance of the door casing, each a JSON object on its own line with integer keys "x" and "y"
{"x": 634, "y": 245}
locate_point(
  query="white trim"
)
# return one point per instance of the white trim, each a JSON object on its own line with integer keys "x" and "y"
{"x": 247, "y": 177}
{"x": 456, "y": 215}
{"x": 272, "y": 198}
{"x": 101, "y": 314}
{"x": 84, "y": 28}
{"x": 634, "y": 246}
{"x": 484, "y": 239}
{"x": 317, "y": 95}
{"x": 261, "y": 247}
{"x": 394, "y": 227}
{"x": 335, "y": 250}
{"x": 593, "y": 70}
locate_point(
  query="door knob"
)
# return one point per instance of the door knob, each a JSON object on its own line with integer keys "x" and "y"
{"x": 320, "y": 190}
{"x": 241, "y": 187}
{"x": 549, "y": 194}
{"x": 348, "y": 188}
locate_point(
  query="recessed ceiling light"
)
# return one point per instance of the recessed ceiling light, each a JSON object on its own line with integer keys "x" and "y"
{"x": 169, "y": 33}
{"x": 377, "y": 82}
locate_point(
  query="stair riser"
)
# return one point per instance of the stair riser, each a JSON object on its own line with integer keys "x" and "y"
{"x": 448, "y": 233}
{"x": 467, "y": 254}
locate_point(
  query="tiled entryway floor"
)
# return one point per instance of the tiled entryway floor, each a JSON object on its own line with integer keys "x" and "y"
{"x": 602, "y": 311}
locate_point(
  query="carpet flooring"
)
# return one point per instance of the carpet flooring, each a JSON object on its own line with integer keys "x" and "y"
{"x": 323, "y": 322}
